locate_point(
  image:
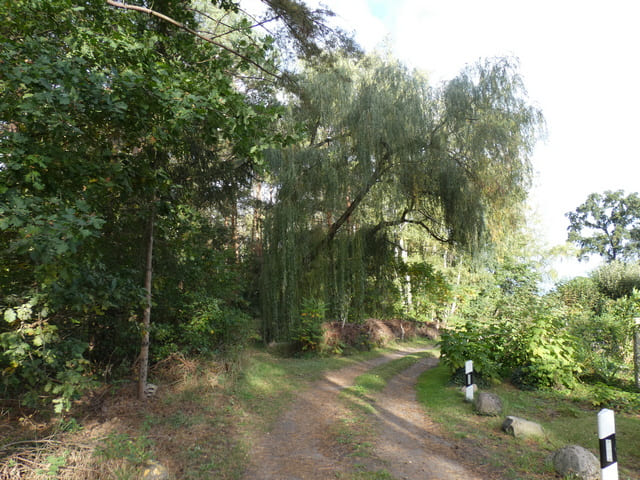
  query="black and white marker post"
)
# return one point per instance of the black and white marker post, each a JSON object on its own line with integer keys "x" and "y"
{"x": 607, "y": 436}
{"x": 468, "y": 380}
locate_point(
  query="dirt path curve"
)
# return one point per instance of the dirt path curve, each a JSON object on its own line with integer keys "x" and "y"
{"x": 407, "y": 442}
{"x": 301, "y": 447}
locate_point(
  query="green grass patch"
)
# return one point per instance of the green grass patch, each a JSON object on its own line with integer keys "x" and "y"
{"x": 268, "y": 383}
{"x": 564, "y": 421}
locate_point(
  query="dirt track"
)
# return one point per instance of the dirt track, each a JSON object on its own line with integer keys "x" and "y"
{"x": 301, "y": 446}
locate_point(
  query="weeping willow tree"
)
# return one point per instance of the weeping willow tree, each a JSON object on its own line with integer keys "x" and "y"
{"x": 383, "y": 150}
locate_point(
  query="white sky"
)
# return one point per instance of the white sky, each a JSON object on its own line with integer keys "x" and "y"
{"x": 580, "y": 60}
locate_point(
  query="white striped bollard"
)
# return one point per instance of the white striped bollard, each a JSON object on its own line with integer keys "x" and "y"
{"x": 468, "y": 380}
{"x": 607, "y": 436}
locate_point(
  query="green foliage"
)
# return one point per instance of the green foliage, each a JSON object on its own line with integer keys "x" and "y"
{"x": 211, "y": 326}
{"x": 617, "y": 279}
{"x": 36, "y": 360}
{"x": 599, "y": 316}
{"x": 384, "y": 150}
{"x": 107, "y": 115}
{"x": 580, "y": 295}
{"x": 430, "y": 290}
{"x": 608, "y": 225}
{"x": 510, "y": 331}
{"x": 547, "y": 354}
{"x": 54, "y": 462}
{"x": 308, "y": 333}
{"x": 606, "y": 396}
{"x": 604, "y": 338}
{"x": 477, "y": 342}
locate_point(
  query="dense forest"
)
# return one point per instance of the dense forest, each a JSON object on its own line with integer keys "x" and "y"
{"x": 189, "y": 176}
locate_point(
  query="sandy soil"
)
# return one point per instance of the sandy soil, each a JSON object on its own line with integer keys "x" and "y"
{"x": 300, "y": 445}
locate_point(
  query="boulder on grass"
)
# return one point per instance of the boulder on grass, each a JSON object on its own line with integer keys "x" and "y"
{"x": 521, "y": 428}
{"x": 155, "y": 471}
{"x": 487, "y": 403}
{"x": 578, "y": 461}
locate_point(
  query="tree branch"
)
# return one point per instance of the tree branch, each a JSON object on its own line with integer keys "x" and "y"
{"x": 403, "y": 219}
{"x": 182, "y": 26}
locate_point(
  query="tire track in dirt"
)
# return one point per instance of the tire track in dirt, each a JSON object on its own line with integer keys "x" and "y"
{"x": 300, "y": 445}
{"x": 406, "y": 442}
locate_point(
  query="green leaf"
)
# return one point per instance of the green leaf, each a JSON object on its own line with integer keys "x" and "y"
{"x": 10, "y": 315}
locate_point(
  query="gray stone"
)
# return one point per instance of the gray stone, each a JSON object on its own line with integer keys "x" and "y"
{"x": 155, "y": 471}
{"x": 487, "y": 403}
{"x": 521, "y": 428}
{"x": 578, "y": 461}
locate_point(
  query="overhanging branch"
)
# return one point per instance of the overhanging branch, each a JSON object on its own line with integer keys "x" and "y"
{"x": 182, "y": 26}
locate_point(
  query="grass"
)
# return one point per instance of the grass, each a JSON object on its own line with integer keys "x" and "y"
{"x": 200, "y": 424}
{"x": 204, "y": 418}
{"x": 565, "y": 422}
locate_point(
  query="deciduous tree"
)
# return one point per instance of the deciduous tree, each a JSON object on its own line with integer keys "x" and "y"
{"x": 384, "y": 149}
{"x": 608, "y": 225}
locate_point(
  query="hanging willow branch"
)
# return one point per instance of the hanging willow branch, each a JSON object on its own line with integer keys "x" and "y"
{"x": 182, "y": 26}
{"x": 385, "y": 164}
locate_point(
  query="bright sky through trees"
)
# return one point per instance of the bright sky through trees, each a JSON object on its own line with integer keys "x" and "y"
{"x": 579, "y": 63}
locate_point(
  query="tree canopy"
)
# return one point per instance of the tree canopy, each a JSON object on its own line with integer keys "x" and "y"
{"x": 111, "y": 121}
{"x": 608, "y": 225}
{"x": 384, "y": 150}
{"x": 170, "y": 156}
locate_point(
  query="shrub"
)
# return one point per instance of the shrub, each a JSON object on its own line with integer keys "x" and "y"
{"x": 605, "y": 340}
{"x": 38, "y": 365}
{"x": 475, "y": 341}
{"x": 535, "y": 351}
{"x": 210, "y": 326}
{"x": 308, "y": 334}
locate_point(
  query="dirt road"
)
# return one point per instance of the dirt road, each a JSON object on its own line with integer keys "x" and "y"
{"x": 301, "y": 445}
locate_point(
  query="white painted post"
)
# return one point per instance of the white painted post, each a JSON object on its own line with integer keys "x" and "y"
{"x": 468, "y": 380}
{"x": 607, "y": 436}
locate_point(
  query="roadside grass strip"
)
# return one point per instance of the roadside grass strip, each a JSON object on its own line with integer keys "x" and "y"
{"x": 565, "y": 422}
{"x": 360, "y": 394}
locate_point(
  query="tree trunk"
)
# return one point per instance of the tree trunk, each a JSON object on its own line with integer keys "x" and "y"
{"x": 146, "y": 319}
{"x": 636, "y": 352}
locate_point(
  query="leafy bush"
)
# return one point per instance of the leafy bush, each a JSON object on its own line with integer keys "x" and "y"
{"x": 38, "y": 365}
{"x": 308, "y": 333}
{"x": 211, "y": 325}
{"x": 475, "y": 341}
{"x": 615, "y": 398}
{"x": 604, "y": 343}
{"x": 535, "y": 350}
{"x": 617, "y": 279}
{"x": 548, "y": 355}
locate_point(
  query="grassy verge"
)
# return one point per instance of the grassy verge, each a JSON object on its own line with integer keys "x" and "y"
{"x": 199, "y": 425}
{"x": 564, "y": 421}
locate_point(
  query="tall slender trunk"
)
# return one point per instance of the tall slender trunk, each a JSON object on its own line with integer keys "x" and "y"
{"x": 454, "y": 303}
{"x": 636, "y": 352}
{"x": 146, "y": 319}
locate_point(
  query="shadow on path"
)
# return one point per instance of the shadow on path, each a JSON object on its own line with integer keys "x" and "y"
{"x": 301, "y": 447}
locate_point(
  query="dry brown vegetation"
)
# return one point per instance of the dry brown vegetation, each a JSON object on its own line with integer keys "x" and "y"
{"x": 116, "y": 435}
{"x": 190, "y": 426}
{"x": 375, "y": 332}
